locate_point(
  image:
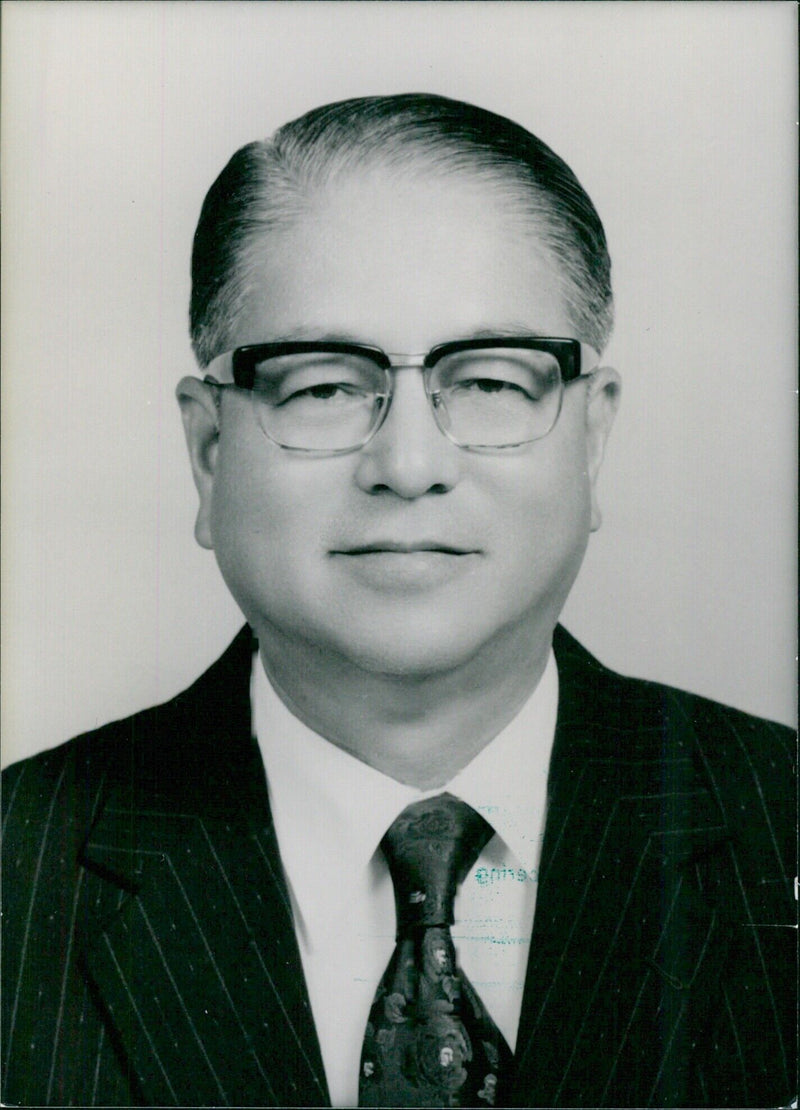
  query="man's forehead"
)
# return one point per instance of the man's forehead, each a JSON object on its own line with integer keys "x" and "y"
{"x": 404, "y": 266}
{"x": 381, "y": 194}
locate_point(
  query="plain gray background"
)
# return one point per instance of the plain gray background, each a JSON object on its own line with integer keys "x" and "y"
{"x": 679, "y": 118}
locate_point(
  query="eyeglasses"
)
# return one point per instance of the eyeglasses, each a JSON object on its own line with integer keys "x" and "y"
{"x": 331, "y": 398}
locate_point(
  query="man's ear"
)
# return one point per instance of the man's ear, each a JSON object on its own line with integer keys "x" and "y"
{"x": 200, "y": 415}
{"x": 602, "y": 402}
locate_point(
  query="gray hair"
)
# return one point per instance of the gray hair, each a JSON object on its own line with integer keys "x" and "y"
{"x": 268, "y": 185}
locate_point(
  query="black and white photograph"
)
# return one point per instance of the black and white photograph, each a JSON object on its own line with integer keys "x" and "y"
{"x": 399, "y": 453}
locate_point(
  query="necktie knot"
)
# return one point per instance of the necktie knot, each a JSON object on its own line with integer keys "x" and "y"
{"x": 429, "y": 849}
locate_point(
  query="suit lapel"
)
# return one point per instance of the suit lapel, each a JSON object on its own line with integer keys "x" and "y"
{"x": 623, "y": 935}
{"x": 192, "y": 952}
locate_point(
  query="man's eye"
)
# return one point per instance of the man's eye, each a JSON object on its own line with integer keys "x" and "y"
{"x": 497, "y": 387}
{"x": 314, "y": 378}
{"x": 490, "y": 385}
{"x": 524, "y": 377}
{"x": 320, "y": 391}
{"x": 323, "y": 392}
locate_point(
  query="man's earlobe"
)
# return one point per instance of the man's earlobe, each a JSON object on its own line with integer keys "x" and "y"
{"x": 200, "y": 415}
{"x": 603, "y": 397}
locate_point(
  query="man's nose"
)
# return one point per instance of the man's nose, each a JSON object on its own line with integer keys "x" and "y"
{"x": 409, "y": 455}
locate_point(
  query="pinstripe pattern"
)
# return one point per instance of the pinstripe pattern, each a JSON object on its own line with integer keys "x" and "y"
{"x": 150, "y": 959}
{"x": 182, "y": 982}
{"x": 647, "y": 984}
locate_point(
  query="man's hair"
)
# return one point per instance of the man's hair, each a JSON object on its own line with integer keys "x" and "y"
{"x": 268, "y": 185}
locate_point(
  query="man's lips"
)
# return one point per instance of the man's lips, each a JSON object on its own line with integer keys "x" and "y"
{"x": 402, "y": 547}
{"x": 405, "y": 567}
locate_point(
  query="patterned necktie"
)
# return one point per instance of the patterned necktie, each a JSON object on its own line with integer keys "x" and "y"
{"x": 429, "y": 1039}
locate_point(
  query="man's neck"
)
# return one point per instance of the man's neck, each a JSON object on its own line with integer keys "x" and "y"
{"x": 417, "y": 730}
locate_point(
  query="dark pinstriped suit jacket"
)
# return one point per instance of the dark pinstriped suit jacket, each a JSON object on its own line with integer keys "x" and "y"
{"x": 150, "y": 956}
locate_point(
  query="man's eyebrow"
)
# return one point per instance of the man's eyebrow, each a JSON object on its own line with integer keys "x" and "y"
{"x": 313, "y": 334}
{"x": 507, "y": 331}
{"x": 308, "y": 333}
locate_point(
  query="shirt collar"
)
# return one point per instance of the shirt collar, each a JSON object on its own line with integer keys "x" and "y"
{"x": 331, "y": 810}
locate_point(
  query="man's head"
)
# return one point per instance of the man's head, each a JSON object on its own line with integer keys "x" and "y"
{"x": 401, "y": 223}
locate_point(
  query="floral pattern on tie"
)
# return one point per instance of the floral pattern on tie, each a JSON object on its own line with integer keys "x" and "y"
{"x": 429, "y": 1040}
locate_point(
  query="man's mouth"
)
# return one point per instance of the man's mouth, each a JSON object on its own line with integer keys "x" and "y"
{"x": 405, "y": 566}
{"x": 404, "y": 547}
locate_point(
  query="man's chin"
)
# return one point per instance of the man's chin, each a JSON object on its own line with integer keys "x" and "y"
{"x": 416, "y": 651}
{"x": 412, "y": 651}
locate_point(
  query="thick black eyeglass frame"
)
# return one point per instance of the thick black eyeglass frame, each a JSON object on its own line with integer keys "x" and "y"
{"x": 242, "y": 361}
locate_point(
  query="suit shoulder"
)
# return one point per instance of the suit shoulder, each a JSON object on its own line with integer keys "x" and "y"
{"x": 718, "y": 732}
{"x": 33, "y": 787}
{"x": 60, "y": 788}
{"x": 83, "y": 760}
{"x": 63, "y": 784}
{"x": 647, "y": 706}
{"x": 749, "y": 763}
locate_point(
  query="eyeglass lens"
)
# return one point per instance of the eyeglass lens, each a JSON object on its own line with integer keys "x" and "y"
{"x": 330, "y": 401}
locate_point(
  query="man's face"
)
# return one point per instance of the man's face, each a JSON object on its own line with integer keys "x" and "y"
{"x": 466, "y": 551}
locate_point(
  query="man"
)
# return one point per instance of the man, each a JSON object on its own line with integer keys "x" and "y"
{"x": 399, "y": 306}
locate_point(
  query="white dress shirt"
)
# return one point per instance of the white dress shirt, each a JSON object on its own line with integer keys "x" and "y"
{"x": 331, "y": 812}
